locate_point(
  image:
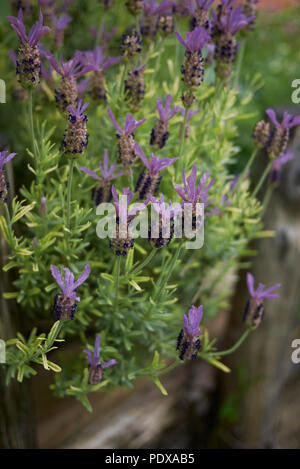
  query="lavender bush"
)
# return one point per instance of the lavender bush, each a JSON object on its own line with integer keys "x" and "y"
{"x": 135, "y": 294}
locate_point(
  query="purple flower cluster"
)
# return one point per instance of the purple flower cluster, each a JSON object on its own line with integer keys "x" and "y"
{"x": 160, "y": 132}
{"x": 76, "y": 136}
{"x": 188, "y": 342}
{"x": 97, "y": 367}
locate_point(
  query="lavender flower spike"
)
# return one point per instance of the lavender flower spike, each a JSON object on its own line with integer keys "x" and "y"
{"x": 279, "y": 137}
{"x": 150, "y": 19}
{"x": 135, "y": 87}
{"x": 188, "y": 343}
{"x": 190, "y": 114}
{"x": 102, "y": 193}
{"x": 4, "y": 185}
{"x": 66, "y": 94}
{"x": 96, "y": 367}
{"x": 200, "y": 15}
{"x": 60, "y": 24}
{"x": 149, "y": 180}
{"x": 160, "y": 133}
{"x": 192, "y": 69}
{"x": 123, "y": 240}
{"x": 76, "y": 136}
{"x": 28, "y": 63}
{"x": 126, "y": 137}
{"x": 227, "y": 23}
{"x": 254, "y": 311}
{"x": 161, "y": 231}
{"x": 98, "y": 63}
{"x": 65, "y": 302}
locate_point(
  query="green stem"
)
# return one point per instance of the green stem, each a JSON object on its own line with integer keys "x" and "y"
{"x": 234, "y": 347}
{"x": 137, "y": 24}
{"x": 145, "y": 262}
{"x": 69, "y": 194}
{"x": 123, "y": 79}
{"x": 31, "y": 127}
{"x": 267, "y": 199}
{"x": 262, "y": 179}
{"x": 170, "y": 367}
{"x": 248, "y": 165}
{"x": 164, "y": 281}
{"x": 117, "y": 280}
{"x": 11, "y": 242}
{"x": 239, "y": 64}
{"x": 181, "y": 146}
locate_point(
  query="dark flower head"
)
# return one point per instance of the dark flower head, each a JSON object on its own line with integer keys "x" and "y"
{"x": 254, "y": 311}
{"x": 196, "y": 40}
{"x": 200, "y": 12}
{"x": 130, "y": 123}
{"x": 155, "y": 165}
{"x": 106, "y": 171}
{"x": 4, "y": 158}
{"x": 36, "y": 32}
{"x": 188, "y": 343}
{"x": 160, "y": 133}
{"x": 96, "y": 367}
{"x": 200, "y": 4}
{"x": 76, "y": 137}
{"x": 288, "y": 120}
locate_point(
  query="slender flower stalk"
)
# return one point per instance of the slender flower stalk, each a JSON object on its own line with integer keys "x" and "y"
{"x": 185, "y": 128}
{"x": 65, "y": 303}
{"x": 97, "y": 367}
{"x": 28, "y": 63}
{"x": 102, "y": 193}
{"x": 149, "y": 180}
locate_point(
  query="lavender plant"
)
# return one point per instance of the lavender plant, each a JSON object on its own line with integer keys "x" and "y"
{"x": 131, "y": 292}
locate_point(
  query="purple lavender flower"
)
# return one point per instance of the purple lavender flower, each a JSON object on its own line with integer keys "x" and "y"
{"x": 97, "y": 367}
{"x": 126, "y": 137}
{"x": 160, "y": 132}
{"x": 66, "y": 94}
{"x": 149, "y": 180}
{"x": 131, "y": 45}
{"x": 98, "y": 63}
{"x": 103, "y": 36}
{"x": 123, "y": 240}
{"x": 83, "y": 86}
{"x": 199, "y": 12}
{"x": 190, "y": 114}
{"x": 24, "y": 5}
{"x": 166, "y": 24}
{"x": 28, "y": 63}
{"x": 249, "y": 8}
{"x": 161, "y": 231}
{"x": 254, "y": 311}
{"x": 181, "y": 8}
{"x": 275, "y": 173}
{"x": 226, "y": 25}
{"x": 18, "y": 92}
{"x": 65, "y": 302}
{"x": 135, "y": 87}
{"x": 102, "y": 193}
{"x": 192, "y": 69}
{"x": 150, "y": 19}
{"x": 4, "y": 185}
{"x": 188, "y": 343}
{"x": 279, "y": 137}
{"x": 48, "y": 7}
{"x": 60, "y": 24}
{"x": 76, "y": 137}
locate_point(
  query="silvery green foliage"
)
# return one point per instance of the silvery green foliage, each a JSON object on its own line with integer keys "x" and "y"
{"x": 138, "y": 310}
